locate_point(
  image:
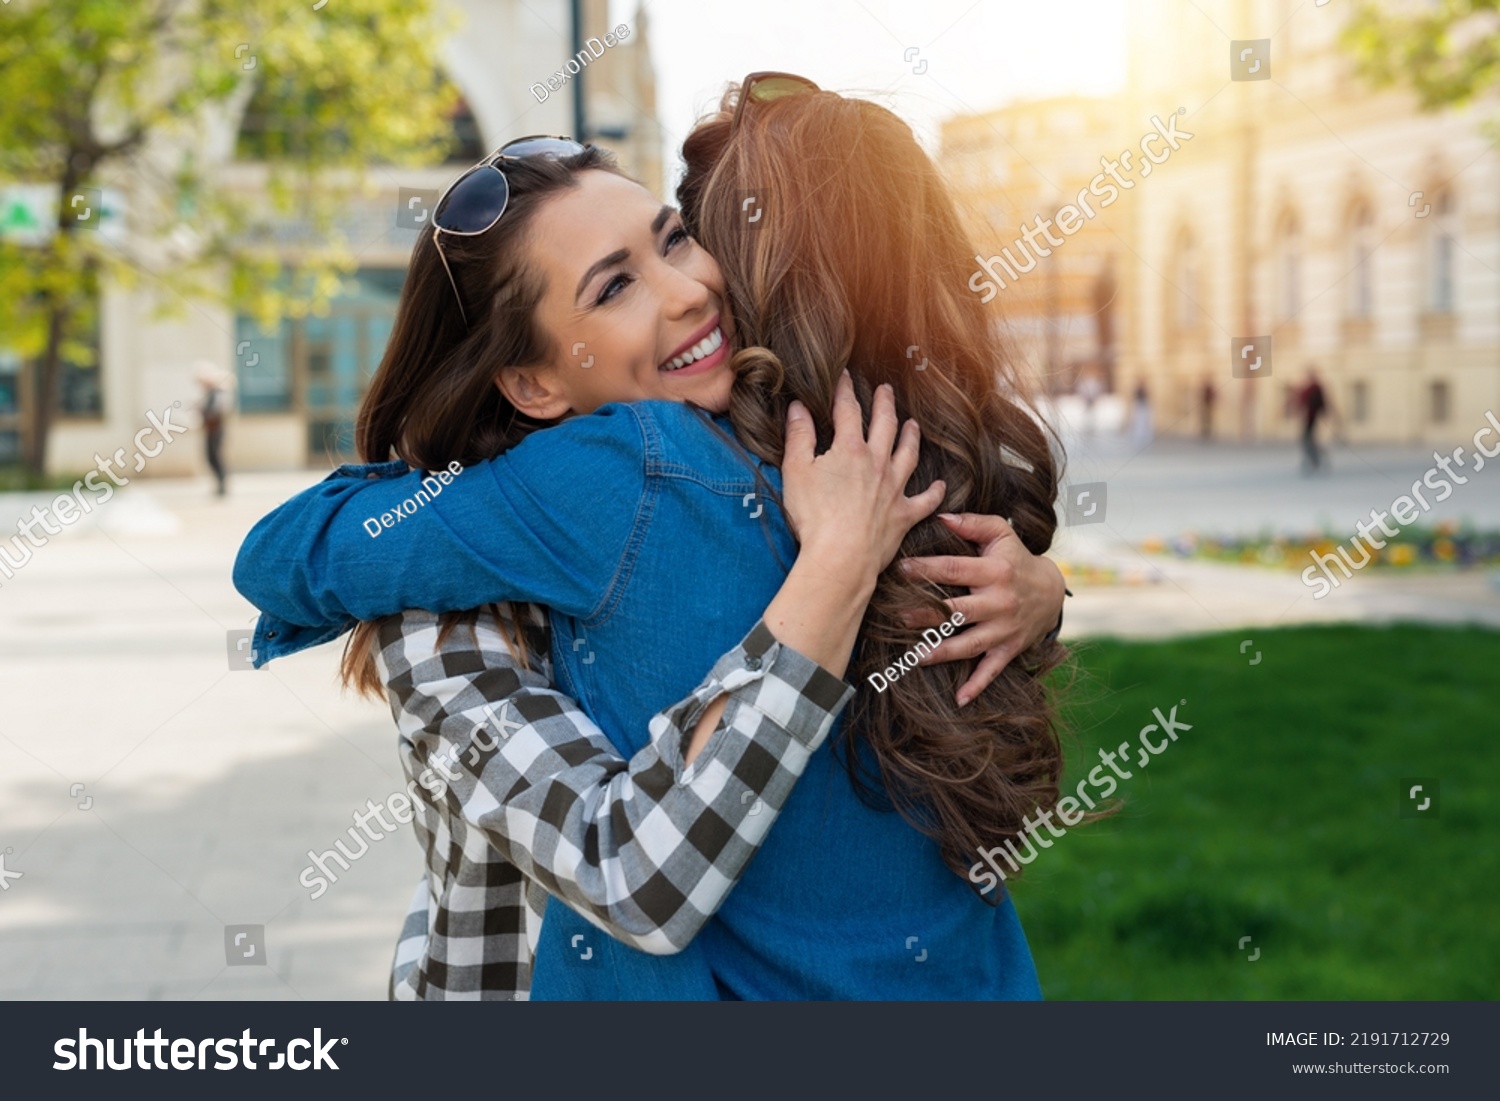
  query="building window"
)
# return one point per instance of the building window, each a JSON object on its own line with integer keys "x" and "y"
{"x": 1437, "y": 402}
{"x": 1185, "y": 275}
{"x": 79, "y": 389}
{"x": 1359, "y": 401}
{"x": 1361, "y": 262}
{"x": 1287, "y": 273}
{"x": 79, "y": 393}
{"x": 1443, "y": 244}
{"x": 320, "y": 367}
{"x": 10, "y": 408}
{"x": 263, "y": 368}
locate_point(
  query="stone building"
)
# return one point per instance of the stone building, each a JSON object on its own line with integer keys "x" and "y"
{"x": 1357, "y": 233}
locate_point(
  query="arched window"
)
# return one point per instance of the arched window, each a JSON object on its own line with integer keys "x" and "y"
{"x": 1441, "y": 253}
{"x": 1186, "y": 279}
{"x": 1286, "y": 272}
{"x": 1361, "y": 302}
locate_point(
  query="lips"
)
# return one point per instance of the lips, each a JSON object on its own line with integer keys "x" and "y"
{"x": 700, "y": 353}
{"x": 698, "y": 347}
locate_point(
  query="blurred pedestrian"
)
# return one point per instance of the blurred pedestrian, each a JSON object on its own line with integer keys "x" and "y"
{"x": 1206, "y": 398}
{"x": 1090, "y": 387}
{"x": 1141, "y": 430}
{"x": 1314, "y": 404}
{"x": 213, "y": 410}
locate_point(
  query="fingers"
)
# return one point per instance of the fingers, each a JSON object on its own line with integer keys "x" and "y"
{"x": 992, "y": 666}
{"x": 801, "y": 438}
{"x": 908, "y": 452}
{"x": 951, "y": 569}
{"x": 924, "y": 504}
{"x": 975, "y": 609}
{"x": 966, "y": 644}
{"x": 883, "y": 421}
{"x": 848, "y": 424}
{"x": 978, "y": 527}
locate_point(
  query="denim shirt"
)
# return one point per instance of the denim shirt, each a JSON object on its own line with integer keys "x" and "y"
{"x": 646, "y": 532}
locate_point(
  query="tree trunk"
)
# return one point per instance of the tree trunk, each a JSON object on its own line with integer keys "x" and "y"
{"x": 44, "y": 390}
{"x": 49, "y": 366}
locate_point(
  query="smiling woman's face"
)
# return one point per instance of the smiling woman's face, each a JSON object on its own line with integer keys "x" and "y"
{"x": 634, "y": 308}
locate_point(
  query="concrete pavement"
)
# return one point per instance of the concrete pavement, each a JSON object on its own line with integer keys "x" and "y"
{"x": 150, "y": 798}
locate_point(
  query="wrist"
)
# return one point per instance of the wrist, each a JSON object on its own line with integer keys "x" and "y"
{"x": 842, "y": 561}
{"x": 1051, "y": 582}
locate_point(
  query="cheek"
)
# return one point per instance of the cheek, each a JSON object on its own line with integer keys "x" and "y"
{"x": 705, "y": 269}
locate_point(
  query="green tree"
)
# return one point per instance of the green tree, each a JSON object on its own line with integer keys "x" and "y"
{"x": 100, "y": 93}
{"x": 1447, "y": 51}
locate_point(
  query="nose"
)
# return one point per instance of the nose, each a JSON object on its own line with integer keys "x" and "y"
{"x": 682, "y": 294}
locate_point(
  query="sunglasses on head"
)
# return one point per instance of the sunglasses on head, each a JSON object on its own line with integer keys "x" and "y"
{"x": 474, "y": 203}
{"x": 765, "y": 87}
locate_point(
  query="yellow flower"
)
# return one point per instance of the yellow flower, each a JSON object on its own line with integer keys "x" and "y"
{"x": 1401, "y": 554}
{"x": 1444, "y": 549}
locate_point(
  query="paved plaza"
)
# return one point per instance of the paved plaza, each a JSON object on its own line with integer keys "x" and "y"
{"x": 151, "y": 799}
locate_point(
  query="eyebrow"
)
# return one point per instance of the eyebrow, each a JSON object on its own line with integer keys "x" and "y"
{"x": 619, "y": 256}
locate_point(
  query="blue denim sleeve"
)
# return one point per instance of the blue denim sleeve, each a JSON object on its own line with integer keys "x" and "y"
{"x": 549, "y": 521}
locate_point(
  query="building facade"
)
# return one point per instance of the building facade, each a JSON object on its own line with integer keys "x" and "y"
{"x": 1310, "y": 222}
{"x": 299, "y": 384}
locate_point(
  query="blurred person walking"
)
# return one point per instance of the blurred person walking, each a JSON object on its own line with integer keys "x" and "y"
{"x": 1141, "y": 430}
{"x": 213, "y": 410}
{"x": 1314, "y": 403}
{"x": 1206, "y": 398}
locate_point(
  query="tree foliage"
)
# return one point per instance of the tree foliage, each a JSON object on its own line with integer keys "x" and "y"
{"x": 146, "y": 96}
{"x": 1447, "y": 51}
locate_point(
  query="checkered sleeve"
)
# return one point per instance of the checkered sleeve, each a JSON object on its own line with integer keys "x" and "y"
{"x": 645, "y": 848}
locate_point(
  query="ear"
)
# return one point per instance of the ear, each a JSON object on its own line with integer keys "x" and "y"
{"x": 531, "y": 391}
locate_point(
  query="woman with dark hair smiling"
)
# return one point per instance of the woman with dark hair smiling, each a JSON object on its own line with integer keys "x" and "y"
{"x": 627, "y": 522}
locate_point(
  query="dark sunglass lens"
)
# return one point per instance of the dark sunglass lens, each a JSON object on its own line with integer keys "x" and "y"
{"x": 542, "y": 147}
{"x": 475, "y": 203}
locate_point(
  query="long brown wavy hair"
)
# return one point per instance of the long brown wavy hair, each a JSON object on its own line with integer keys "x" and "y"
{"x": 859, "y": 259}
{"x": 433, "y": 398}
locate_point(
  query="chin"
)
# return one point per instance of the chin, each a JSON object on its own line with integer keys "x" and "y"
{"x": 713, "y": 395}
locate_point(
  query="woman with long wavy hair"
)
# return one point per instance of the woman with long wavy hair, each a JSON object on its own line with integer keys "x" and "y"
{"x": 858, "y": 256}
{"x": 597, "y": 518}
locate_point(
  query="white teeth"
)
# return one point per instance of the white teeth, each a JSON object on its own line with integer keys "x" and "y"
{"x": 706, "y": 346}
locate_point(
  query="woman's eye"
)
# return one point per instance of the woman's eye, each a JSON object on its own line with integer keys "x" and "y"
{"x": 677, "y": 236}
{"x": 618, "y": 283}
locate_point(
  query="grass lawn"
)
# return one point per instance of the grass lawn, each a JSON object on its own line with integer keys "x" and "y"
{"x": 1278, "y": 817}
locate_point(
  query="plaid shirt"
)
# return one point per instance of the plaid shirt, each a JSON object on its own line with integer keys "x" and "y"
{"x": 520, "y": 794}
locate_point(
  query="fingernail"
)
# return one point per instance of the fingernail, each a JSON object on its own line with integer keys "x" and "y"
{"x": 904, "y": 565}
{"x": 963, "y": 699}
{"x": 950, "y": 517}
